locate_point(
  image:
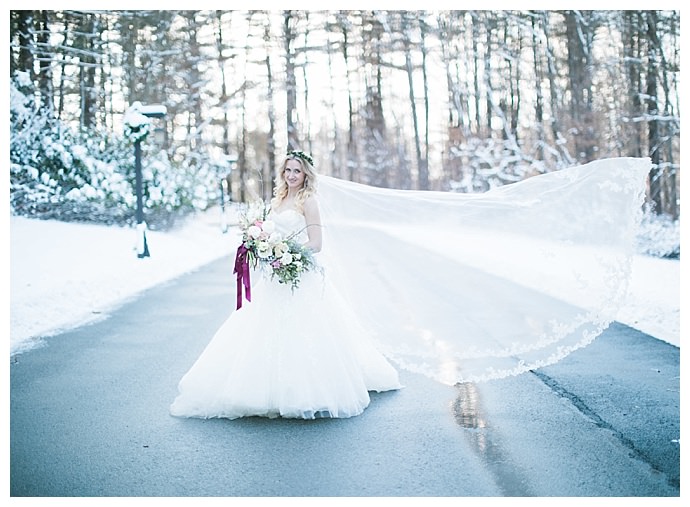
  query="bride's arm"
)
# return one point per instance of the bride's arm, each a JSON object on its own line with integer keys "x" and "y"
{"x": 313, "y": 219}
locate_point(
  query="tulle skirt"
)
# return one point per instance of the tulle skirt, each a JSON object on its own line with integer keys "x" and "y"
{"x": 288, "y": 353}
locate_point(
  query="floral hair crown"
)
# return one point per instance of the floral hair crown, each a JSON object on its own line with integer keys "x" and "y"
{"x": 302, "y": 155}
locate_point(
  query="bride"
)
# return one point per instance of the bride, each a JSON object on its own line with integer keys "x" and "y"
{"x": 298, "y": 354}
{"x": 458, "y": 287}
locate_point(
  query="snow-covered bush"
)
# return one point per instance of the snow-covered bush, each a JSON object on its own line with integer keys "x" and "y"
{"x": 58, "y": 173}
{"x": 659, "y": 236}
{"x": 478, "y": 165}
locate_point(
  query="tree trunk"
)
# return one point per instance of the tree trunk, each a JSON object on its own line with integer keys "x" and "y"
{"x": 220, "y": 48}
{"x": 63, "y": 65}
{"x": 289, "y": 36}
{"x": 194, "y": 81}
{"x": 515, "y": 96}
{"x": 271, "y": 141}
{"x": 351, "y": 146}
{"x": 336, "y": 151}
{"x": 539, "y": 93}
{"x": 376, "y": 153}
{"x": 424, "y": 161}
{"x": 423, "y": 177}
{"x": 475, "y": 74}
{"x": 653, "y": 128}
{"x": 632, "y": 56}
{"x": 554, "y": 102}
{"x": 87, "y": 71}
{"x": 305, "y": 81}
{"x": 488, "y": 85}
{"x": 25, "y": 33}
{"x": 45, "y": 75}
{"x": 579, "y": 33}
{"x": 129, "y": 37}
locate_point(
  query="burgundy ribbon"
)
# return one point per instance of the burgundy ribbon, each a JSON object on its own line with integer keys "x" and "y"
{"x": 242, "y": 271}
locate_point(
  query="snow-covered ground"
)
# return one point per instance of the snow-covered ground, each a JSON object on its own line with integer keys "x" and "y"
{"x": 66, "y": 274}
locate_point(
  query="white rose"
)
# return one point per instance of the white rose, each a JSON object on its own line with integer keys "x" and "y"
{"x": 275, "y": 238}
{"x": 286, "y": 258}
{"x": 264, "y": 249}
{"x": 279, "y": 249}
{"x": 253, "y": 231}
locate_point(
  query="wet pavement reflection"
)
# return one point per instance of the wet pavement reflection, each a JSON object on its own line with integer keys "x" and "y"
{"x": 485, "y": 442}
{"x": 466, "y": 407}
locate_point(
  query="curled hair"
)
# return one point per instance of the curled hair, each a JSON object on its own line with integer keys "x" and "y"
{"x": 280, "y": 190}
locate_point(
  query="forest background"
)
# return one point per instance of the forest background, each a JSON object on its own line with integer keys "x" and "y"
{"x": 445, "y": 100}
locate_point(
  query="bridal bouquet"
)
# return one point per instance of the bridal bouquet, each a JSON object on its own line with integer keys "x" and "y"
{"x": 284, "y": 257}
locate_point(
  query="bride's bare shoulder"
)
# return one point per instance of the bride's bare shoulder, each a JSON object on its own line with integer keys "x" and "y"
{"x": 311, "y": 202}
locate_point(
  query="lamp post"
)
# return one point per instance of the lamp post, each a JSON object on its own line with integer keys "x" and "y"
{"x": 137, "y": 123}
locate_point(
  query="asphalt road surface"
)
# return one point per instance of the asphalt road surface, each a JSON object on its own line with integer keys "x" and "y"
{"x": 89, "y": 418}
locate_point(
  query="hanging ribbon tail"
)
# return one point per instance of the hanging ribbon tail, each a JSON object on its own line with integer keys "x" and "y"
{"x": 242, "y": 272}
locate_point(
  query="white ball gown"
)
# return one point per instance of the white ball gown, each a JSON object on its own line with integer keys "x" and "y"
{"x": 296, "y": 354}
{"x": 458, "y": 287}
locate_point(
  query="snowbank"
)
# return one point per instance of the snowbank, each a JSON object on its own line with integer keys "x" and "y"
{"x": 66, "y": 274}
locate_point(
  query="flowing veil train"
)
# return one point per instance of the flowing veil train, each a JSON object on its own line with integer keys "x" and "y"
{"x": 471, "y": 287}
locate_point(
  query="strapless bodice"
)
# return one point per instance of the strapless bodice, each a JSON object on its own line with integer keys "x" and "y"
{"x": 290, "y": 222}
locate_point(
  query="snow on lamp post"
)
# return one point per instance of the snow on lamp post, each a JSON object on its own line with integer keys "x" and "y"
{"x": 137, "y": 127}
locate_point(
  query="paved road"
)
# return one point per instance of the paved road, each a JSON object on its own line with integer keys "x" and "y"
{"x": 89, "y": 417}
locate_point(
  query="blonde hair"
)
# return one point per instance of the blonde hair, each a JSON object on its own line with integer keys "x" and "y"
{"x": 280, "y": 191}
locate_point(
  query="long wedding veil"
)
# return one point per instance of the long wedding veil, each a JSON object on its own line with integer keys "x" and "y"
{"x": 471, "y": 287}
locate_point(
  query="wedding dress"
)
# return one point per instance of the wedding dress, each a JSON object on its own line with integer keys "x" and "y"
{"x": 298, "y": 354}
{"x": 458, "y": 287}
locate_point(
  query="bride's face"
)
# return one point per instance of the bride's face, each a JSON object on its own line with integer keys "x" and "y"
{"x": 293, "y": 174}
